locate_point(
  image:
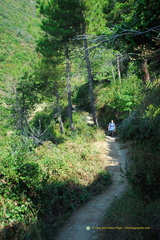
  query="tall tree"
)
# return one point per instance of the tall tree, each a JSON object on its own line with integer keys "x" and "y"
{"x": 88, "y": 66}
{"x": 94, "y": 24}
{"x": 118, "y": 68}
{"x": 145, "y": 20}
{"x": 136, "y": 24}
{"x": 62, "y": 21}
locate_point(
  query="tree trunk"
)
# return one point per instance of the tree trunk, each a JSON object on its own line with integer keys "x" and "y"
{"x": 88, "y": 66}
{"x": 146, "y": 76}
{"x": 59, "y": 114}
{"x": 69, "y": 89}
{"x": 113, "y": 75}
{"x": 118, "y": 68}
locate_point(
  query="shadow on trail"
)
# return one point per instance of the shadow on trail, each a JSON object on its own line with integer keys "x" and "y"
{"x": 54, "y": 202}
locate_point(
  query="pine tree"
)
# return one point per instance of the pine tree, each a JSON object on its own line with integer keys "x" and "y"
{"x": 61, "y": 23}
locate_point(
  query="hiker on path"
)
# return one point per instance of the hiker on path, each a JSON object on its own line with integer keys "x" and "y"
{"x": 111, "y": 128}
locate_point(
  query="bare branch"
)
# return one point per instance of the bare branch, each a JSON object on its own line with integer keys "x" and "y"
{"x": 105, "y": 38}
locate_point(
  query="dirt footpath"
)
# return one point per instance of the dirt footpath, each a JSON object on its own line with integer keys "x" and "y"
{"x": 81, "y": 224}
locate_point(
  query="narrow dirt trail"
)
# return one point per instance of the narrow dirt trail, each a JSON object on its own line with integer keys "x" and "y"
{"x": 92, "y": 214}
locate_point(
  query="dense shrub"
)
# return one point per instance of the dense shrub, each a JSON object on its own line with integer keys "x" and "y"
{"x": 82, "y": 100}
{"x": 42, "y": 126}
{"x": 117, "y": 100}
{"x": 142, "y": 129}
{"x": 144, "y": 173}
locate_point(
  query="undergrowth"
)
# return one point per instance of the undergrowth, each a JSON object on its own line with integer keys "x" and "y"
{"x": 42, "y": 186}
{"x": 140, "y": 206}
{"x": 130, "y": 217}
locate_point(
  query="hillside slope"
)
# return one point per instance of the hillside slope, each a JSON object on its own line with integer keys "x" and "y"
{"x": 19, "y": 26}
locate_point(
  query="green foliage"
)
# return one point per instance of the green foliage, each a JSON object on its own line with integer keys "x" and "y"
{"x": 18, "y": 39}
{"x": 42, "y": 126}
{"x": 82, "y": 100}
{"x": 95, "y": 17}
{"x": 142, "y": 128}
{"x": 42, "y": 183}
{"x": 20, "y": 29}
{"x": 5, "y": 120}
{"x": 84, "y": 129}
{"x": 61, "y": 22}
{"x": 20, "y": 177}
{"x": 104, "y": 64}
{"x": 23, "y": 100}
{"x": 143, "y": 125}
{"x": 49, "y": 78}
{"x": 144, "y": 172}
{"x": 119, "y": 99}
{"x": 37, "y": 182}
{"x": 135, "y": 27}
{"x": 147, "y": 13}
{"x": 117, "y": 11}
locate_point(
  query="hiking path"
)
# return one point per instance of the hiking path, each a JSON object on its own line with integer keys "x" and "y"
{"x": 81, "y": 225}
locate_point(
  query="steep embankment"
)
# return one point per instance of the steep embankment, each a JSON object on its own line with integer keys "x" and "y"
{"x": 92, "y": 213}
